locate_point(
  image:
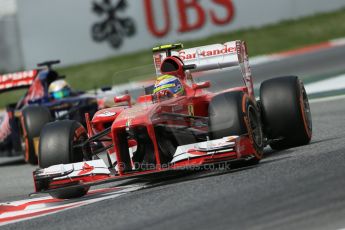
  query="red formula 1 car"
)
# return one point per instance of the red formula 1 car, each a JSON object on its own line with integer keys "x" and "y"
{"x": 166, "y": 132}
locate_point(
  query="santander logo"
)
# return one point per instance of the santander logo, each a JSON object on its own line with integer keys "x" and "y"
{"x": 206, "y": 53}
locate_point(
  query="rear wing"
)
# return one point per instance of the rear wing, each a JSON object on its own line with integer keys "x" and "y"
{"x": 13, "y": 81}
{"x": 211, "y": 57}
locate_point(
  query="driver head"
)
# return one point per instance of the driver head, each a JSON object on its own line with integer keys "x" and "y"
{"x": 168, "y": 86}
{"x": 59, "y": 89}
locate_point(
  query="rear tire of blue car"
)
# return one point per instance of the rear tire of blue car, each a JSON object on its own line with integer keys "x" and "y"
{"x": 58, "y": 146}
{"x": 234, "y": 113}
{"x": 285, "y": 112}
{"x": 33, "y": 120}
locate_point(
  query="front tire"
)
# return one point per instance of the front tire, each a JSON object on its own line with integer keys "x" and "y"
{"x": 285, "y": 112}
{"x": 57, "y": 146}
{"x": 233, "y": 113}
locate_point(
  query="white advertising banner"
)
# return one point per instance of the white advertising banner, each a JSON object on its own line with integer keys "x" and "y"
{"x": 83, "y": 30}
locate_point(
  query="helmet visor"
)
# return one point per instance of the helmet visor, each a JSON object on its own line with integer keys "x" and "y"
{"x": 61, "y": 93}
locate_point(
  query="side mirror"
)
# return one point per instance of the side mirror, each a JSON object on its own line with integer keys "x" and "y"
{"x": 201, "y": 85}
{"x": 124, "y": 98}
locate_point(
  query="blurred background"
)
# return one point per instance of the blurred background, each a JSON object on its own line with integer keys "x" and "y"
{"x": 82, "y": 30}
{"x": 95, "y": 40}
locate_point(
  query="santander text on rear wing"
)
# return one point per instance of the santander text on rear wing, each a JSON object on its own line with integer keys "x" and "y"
{"x": 211, "y": 57}
{"x": 17, "y": 80}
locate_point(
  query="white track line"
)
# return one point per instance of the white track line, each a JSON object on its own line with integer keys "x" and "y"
{"x": 324, "y": 99}
{"x": 32, "y": 211}
{"x": 329, "y": 84}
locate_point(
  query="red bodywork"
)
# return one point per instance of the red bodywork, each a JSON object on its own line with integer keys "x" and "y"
{"x": 150, "y": 112}
{"x": 26, "y": 79}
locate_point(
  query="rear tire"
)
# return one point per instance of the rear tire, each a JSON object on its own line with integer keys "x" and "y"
{"x": 285, "y": 112}
{"x": 33, "y": 120}
{"x": 233, "y": 113}
{"x": 57, "y": 147}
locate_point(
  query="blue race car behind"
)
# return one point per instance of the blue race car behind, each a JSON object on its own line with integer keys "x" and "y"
{"x": 48, "y": 98}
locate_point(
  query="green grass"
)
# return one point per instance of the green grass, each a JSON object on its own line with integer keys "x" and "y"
{"x": 274, "y": 38}
{"x": 269, "y": 39}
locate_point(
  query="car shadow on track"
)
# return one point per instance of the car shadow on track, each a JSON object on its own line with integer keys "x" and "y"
{"x": 269, "y": 153}
{"x": 11, "y": 161}
{"x": 270, "y": 156}
{"x": 313, "y": 142}
{"x": 184, "y": 176}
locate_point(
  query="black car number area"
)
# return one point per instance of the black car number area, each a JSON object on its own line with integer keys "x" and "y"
{"x": 61, "y": 113}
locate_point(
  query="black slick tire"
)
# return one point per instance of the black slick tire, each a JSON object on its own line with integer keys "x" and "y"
{"x": 233, "y": 113}
{"x": 285, "y": 112}
{"x": 57, "y": 146}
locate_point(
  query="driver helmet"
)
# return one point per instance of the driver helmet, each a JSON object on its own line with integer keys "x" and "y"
{"x": 168, "y": 85}
{"x": 59, "y": 89}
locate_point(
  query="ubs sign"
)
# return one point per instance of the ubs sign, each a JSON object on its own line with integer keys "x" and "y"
{"x": 186, "y": 23}
{"x": 190, "y": 15}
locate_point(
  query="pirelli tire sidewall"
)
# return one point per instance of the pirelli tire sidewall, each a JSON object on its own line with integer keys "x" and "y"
{"x": 58, "y": 146}
{"x": 254, "y": 126}
{"x": 285, "y": 112}
{"x": 57, "y": 143}
{"x": 229, "y": 115}
{"x": 32, "y": 120}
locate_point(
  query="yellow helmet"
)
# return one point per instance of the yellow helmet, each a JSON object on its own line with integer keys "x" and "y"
{"x": 170, "y": 84}
{"x": 59, "y": 89}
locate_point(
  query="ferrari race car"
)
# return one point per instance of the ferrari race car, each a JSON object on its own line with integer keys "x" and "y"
{"x": 178, "y": 126}
{"x": 21, "y": 125}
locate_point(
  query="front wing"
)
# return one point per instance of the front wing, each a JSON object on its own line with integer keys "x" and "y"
{"x": 187, "y": 157}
